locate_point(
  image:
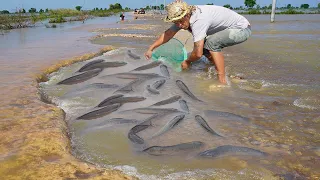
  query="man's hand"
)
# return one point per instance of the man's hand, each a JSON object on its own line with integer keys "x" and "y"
{"x": 148, "y": 54}
{"x": 185, "y": 65}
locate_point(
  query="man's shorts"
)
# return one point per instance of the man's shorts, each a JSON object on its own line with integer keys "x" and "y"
{"x": 228, "y": 37}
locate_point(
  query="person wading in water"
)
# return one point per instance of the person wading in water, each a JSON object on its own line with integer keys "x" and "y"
{"x": 122, "y": 16}
{"x": 213, "y": 28}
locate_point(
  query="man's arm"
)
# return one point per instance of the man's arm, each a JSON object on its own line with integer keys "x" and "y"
{"x": 195, "y": 54}
{"x": 164, "y": 37}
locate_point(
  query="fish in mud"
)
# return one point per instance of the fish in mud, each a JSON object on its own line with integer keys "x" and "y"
{"x": 186, "y": 90}
{"x": 138, "y": 128}
{"x": 132, "y": 135}
{"x": 164, "y": 70}
{"x": 149, "y": 120}
{"x": 155, "y": 110}
{"x": 121, "y": 100}
{"x": 109, "y": 99}
{"x": 100, "y": 112}
{"x": 205, "y": 125}
{"x": 129, "y": 87}
{"x": 173, "y": 150}
{"x": 135, "y": 138}
{"x": 169, "y": 125}
{"x": 90, "y": 64}
{"x": 81, "y": 77}
{"x": 89, "y": 86}
{"x": 184, "y": 105}
{"x": 230, "y": 116}
{"x": 99, "y": 86}
{"x": 168, "y": 101}
{"x": 130, "y": 75}
{"x": 118, "y": 121}
{"x": 113, "y": 122}
{"x": 132, "y": 55}
{"x": 148, "y": 66}
{"x": 151, "y": 90}
{"x": 158, "y": 84}
{"x": 102, "y": 65}
{"x": 229, "y": 150}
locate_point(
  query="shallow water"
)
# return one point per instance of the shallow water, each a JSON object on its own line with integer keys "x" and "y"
{"x": 279, "y": 95}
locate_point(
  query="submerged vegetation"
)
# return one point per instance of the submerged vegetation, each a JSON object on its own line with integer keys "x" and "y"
{"x": 22, "y": 19}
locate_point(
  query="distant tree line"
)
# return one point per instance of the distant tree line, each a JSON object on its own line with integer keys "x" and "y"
{"x": 252, "y": 3}
{"x": 248, "y": 3}
{"x": 115, "y": 6}
{"x": 161, "y": 7}
{"x": 31, "y": 10}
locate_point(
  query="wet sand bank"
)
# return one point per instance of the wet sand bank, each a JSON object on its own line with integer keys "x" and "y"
{"x": 34, "y": 136}
{"x": 35, "y": 142}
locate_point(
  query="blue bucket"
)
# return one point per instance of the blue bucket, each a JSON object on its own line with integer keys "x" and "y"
{"x": 171, "y": 53}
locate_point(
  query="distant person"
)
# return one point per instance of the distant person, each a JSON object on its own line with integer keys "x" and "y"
{"x": 212, "y": 27}
{"x": 122, "y": 16}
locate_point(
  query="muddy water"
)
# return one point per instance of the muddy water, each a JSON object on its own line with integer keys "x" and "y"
{"x": 33, "y": 133}
{"x": 273, "y": 107}
{"x": 24, "y": 52}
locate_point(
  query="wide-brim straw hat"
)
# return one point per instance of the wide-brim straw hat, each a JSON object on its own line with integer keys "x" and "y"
{"x": 176, "y": 10}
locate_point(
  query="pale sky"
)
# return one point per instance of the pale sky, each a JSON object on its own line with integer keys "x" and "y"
{"x": 11, "y": 5}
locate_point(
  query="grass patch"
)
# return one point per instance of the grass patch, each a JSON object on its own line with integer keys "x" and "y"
{"x": 291, "y": 11}
{"x": 254, "y": 11}
{"x": 14, "y": 21}
{"x": 104, "y": 13}
{"x": 58, "y": 19}
{"x": 64, "y": 12}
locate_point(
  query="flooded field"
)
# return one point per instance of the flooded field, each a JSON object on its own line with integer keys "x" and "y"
{"x": 263, "y": 125}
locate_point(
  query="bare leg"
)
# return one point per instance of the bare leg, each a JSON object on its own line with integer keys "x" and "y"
{"x": 218, "y": 59}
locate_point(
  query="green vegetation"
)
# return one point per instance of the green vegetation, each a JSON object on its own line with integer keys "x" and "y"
{"x": 304, "y": 6}
{"x": 64, "y": 12}
{"x": 114, "y": 6}
{"x": 228, "y": 6}
{"x": 254, "y": 11}
{"x": 291, "y": 11}
{"x": 289, "y": 6}
{"x": 58, "y": 19}
{"x": 249, "y": 3}
{"x": 253, "y": 8}
{"x": 78, "y": 8}
{"x": 18, "y": 20}
{"x": 4, "y": 12}
{"x": 32, "y": 10}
